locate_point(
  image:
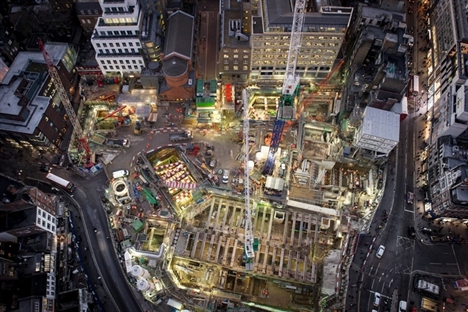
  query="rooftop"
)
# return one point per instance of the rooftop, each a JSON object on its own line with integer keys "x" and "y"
{"x": 381, "y": 124}
{"x": 279, "y": 13}
{"x": 179, "y": 37}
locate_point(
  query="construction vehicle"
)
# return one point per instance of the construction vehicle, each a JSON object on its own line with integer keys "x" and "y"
{"x": 77, "y": 129}
{"x": 117, "y": 143}
{"x": 138, "y": 128}
{"x": 181, "y": 136}
{"x": 290, "y": 89}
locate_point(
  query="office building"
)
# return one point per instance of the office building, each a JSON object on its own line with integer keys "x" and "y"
{"x": 447, "y": 68}
{"x": 116, "y": 38}
{"x": 31, "y": 115}
{"x": 88, "y": 12}
{"x": 323, "y": 34}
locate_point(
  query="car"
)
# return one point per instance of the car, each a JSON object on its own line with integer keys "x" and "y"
{"x": 377, "y": 297}
{"x": 402, "y": 306}
{"x": 411, "y": 231}
{"x": 380, "y": 251}
{"x": 426, "y": 230}
{"x": 225, "y": 176}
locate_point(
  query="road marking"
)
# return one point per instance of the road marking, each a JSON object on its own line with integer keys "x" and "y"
{"x": 407, "y": 210}
{"x": 435, "y": 263}
{"x": 451, "y": 264}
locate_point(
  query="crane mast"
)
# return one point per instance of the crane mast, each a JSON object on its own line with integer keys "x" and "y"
{"x": 291, "y": 80}
{"x": 286, "y": 109}
{"x": 77, "y": 129}
{"x": 248, "y": 236}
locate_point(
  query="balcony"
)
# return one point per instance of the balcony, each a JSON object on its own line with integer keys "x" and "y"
{"x": 101, "y": 22}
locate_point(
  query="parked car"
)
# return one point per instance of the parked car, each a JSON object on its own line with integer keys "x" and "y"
{"x": 380, "y": 251}
{"x": 377, "y": 296}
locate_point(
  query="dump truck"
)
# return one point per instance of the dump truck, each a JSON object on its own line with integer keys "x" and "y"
{"x": 180, "y": 136}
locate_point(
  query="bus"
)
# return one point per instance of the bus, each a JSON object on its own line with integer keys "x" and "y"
{"x": 67, "y": 185}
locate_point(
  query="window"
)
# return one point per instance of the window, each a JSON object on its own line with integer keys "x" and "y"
{"x": 245, "y": 68}
{"x": 105, "y": 67}
{"x": 226, "y": 67}
{"x": 111, "y": 44}
{"x": 236, "y": 55}
{"x": 226, "y": 56}
{"x": 121, "y": 61}
{"x": 115, "y": 61}
{"x": 124, "y": 44}
{"x": 98, "y": 45}
{"x": 130, "y": 44}
{"x": 104, "y": 45}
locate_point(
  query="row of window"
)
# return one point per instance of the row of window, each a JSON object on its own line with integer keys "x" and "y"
{"x": 236, "y": 62}
{"x": 287, "y": 38}
{"x": 119, "y": 51}
{"x": 235, "y": 67}
{"x": 246, "y": 56}
{"x": 127, "y": 61}
{"x": 116, "y": 44}
{"x": 122, "y": 67}
{"x": 114, "y": 33}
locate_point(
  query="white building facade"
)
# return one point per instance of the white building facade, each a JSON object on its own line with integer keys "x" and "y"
{"x": 379, "y": 131}
{"x": 116, "y": 38}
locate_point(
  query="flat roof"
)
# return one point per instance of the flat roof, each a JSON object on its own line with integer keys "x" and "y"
{"x": 279, "y": 12}
{"x": 25, "y": 68}
{"x": 381, "y": 123}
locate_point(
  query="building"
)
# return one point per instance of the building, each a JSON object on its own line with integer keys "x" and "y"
{"x": 116, "y": 38}
{"x": 379, "y": 132}
{"x": 236, "y": 29}
{"x": 88, "y": 12}
{"x": 9, "y": 46}
{"x": 56, "y": 19}
{"x": 179, "y": 75}
{"x": 31, "y": 116}
{"x": 445, "y": 170}
{"x": 29, "y": 245}
{"x": 323, "y": 34}
{"x": 447, "y": 69}
{"x": 379, "y": 60}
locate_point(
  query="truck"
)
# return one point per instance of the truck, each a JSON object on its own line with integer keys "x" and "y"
{"x": 427, "y": 287}
{"x": 181, "y": 136}
{"x": 117, "y": 143}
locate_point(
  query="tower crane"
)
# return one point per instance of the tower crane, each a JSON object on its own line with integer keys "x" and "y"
{"x": 290, "y": 89}
{"x": 77, "y": 129}
{"x": 248, "y": 229}
{"x": 309, "y": 99}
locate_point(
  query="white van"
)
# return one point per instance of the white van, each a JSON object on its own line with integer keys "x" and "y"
{"x": 402, "y": 306}
{"x": 120, "y": 174}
